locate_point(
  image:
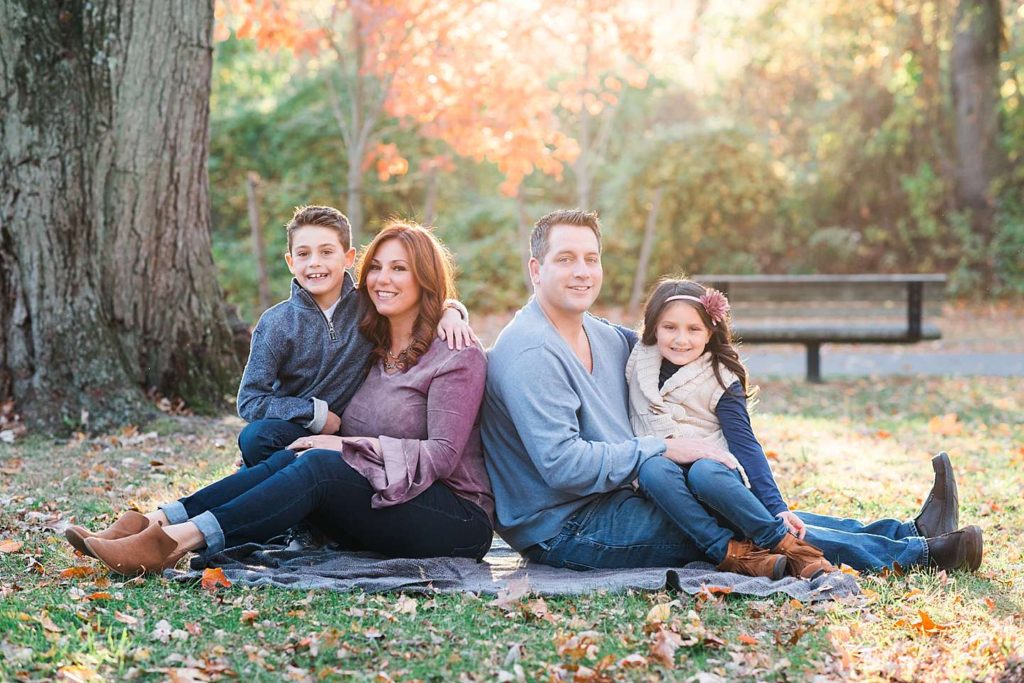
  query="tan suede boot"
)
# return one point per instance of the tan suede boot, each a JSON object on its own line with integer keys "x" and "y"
{"x": 743, "y": 557}
{"x": 804, "y": 559}
{"x": 148, "y": 552}
{"x": 128, "y": 524}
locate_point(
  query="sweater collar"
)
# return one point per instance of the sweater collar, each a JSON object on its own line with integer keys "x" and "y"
{"x": 648, "y": 367}
{"x": 303, "y": 299}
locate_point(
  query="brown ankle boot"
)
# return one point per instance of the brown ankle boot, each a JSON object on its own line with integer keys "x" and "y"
{"x": 743, "y": 557}
{"x": 150, "y": 551}
{"x": 128, "y": 524}
{"x": 804, "y": 559}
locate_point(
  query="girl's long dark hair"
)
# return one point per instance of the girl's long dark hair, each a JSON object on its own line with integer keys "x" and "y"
{"x": 721, "y": 345}
{"x": 431, "y": 266}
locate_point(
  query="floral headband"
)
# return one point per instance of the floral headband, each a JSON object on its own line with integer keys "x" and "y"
{"x": 713, "y": 301}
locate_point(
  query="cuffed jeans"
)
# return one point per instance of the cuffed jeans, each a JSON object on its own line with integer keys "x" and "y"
{"x": 257, "y": 503}
{"x": 843, "y": 541}
{"x": 262, "y": 438}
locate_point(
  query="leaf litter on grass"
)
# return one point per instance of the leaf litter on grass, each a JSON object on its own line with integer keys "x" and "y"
{"x": 854, "y": 448}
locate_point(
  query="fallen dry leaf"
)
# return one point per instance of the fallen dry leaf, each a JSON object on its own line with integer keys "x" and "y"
{"x": 924, "y": 625}
{"x": 659, "y": 613}
{"x": 10, "y": 546}
{"x": 214, "y": 577}
{"x": 80, "y": 572}
{"x": 946, "y": 425}
{"x": 664, "y": 647}
{"x": 78, "y": 673}
{"x": 747, "y": 639}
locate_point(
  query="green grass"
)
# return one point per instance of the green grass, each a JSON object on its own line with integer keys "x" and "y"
{"x": 857, "y": 448}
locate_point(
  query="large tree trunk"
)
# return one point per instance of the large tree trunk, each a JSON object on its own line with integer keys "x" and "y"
{"x": 975, "y": 75}
{"x": 107, "y": 282}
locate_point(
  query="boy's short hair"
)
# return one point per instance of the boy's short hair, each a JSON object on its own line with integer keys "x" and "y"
{"x": 540, "y": 237}
{"x": 320, "y": 216}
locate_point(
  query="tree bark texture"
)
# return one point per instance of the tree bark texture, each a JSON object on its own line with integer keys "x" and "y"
{"x": 107, "y": 281}
{"x": 974, "y": 64}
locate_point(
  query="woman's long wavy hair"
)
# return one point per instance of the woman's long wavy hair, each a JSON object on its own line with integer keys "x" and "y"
{"x": 431, "y": 267}
{"x": 721, "y": 345}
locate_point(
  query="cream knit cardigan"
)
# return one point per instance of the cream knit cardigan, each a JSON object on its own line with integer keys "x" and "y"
{"x": 685, "y": 404}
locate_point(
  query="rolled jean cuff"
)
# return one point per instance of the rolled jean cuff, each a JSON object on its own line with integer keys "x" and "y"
{"x": 908, "y": 528}
{"x": 923, "y": 561}
{"x": 209, "y": 527}
{"x": 175, "y": 512}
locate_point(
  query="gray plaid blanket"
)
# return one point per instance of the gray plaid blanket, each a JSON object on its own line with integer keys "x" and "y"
{"x": 502, "y": 570}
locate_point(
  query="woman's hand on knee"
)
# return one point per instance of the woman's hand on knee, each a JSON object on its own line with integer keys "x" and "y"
{"x": 324, "y": 441}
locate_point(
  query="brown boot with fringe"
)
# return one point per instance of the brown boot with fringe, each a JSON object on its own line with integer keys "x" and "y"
{"x": 743, "y": 557}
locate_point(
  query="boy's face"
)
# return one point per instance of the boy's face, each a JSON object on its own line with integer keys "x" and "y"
{"x": 318, "y": 262}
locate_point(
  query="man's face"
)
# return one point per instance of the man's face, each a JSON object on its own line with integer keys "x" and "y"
{"x": 568, "y": 278}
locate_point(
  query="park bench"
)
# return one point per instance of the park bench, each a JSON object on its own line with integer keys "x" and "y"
{"x": 816, "y": 309}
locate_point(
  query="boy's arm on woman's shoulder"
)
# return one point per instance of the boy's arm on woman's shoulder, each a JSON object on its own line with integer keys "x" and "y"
{"x": 739, "y": 434}
{"x": 256, "y": 399}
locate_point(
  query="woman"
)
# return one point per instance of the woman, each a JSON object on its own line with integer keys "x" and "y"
{"x": 407, "y": 479}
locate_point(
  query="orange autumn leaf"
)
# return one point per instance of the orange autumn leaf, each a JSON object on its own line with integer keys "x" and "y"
{"x": 10, "y": 546}
{"x": 946, "y": 425}
{"x": 99, "y": 595}
{"x": 214, "y": 577}
{"x": 78, "y": 673}
{"x": 883, "y": 434}
{"x": 664, "y": 647}
{"x": 80, "y": 572}
{"x": 747, "y": 640}
{"x": 924, "y": 624}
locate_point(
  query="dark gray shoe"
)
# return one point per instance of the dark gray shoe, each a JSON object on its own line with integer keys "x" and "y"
{"x": 961, "y": 549}
{"x": 940, "y": 513}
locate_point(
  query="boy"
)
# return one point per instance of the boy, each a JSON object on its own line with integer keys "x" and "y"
{"x": 307, "y": 356}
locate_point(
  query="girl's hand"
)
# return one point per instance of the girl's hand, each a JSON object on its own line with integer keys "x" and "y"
{"x": 795, "y": 525}
{"x": 328, "y": 442}
{"x": 456, "y": 331}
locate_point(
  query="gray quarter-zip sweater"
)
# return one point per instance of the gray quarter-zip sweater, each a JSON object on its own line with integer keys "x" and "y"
{"x": 301, "y": 364}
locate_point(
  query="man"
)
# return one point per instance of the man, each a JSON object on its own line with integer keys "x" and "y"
{"x": 561, "y": 453}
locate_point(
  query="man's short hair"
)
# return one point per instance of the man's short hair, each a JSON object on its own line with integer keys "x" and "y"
{"x": 540, "y": 237}
{"x": 323, "y": 217}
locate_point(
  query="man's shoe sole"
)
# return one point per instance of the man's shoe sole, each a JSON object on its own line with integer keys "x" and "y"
{"x": 975, "y": 543}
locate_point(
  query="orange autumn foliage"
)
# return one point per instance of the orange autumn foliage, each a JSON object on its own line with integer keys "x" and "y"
{"x": 486, "y": 78}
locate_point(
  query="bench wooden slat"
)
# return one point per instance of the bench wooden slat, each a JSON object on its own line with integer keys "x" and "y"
{"x": 877, "y": 292}
{"x": 875, "y": 334}
{"x": 816, "y": 309}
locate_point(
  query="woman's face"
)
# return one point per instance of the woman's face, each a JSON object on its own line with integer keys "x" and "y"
{"x": 390, "y": 282}
{"x": 681, "y": 335}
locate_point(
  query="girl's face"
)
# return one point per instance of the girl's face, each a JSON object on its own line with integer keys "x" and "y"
{"x": 680, "y": 334}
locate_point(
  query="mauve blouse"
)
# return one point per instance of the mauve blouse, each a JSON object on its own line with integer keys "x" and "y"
{"x": 427, "y": 421}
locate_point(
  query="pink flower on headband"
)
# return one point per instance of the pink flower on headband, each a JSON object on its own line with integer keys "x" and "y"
{"x": 715, "y": 304}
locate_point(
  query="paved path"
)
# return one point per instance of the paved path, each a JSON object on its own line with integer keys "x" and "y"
{"x": 762, "y": 361}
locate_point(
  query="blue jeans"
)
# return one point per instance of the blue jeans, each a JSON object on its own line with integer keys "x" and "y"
{"x": 262, "y": 438}
{"x": 710, "y": 504}
{"x": 617, "y": 530}
{"x": 687, "y": 514}
{"x": 257, "y": 503}
{"x": 861, "y": 546}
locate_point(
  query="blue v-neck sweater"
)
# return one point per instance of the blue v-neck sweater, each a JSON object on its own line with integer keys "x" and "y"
{"x": 556, "y": 436}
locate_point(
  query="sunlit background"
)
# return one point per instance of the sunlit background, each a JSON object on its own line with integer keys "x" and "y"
{"x": 735, "y": 136}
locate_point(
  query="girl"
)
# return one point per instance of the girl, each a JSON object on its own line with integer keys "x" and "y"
{"x": 686, "y": 380}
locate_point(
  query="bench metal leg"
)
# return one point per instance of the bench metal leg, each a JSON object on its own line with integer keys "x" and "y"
{"x": 814, "y": 362}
